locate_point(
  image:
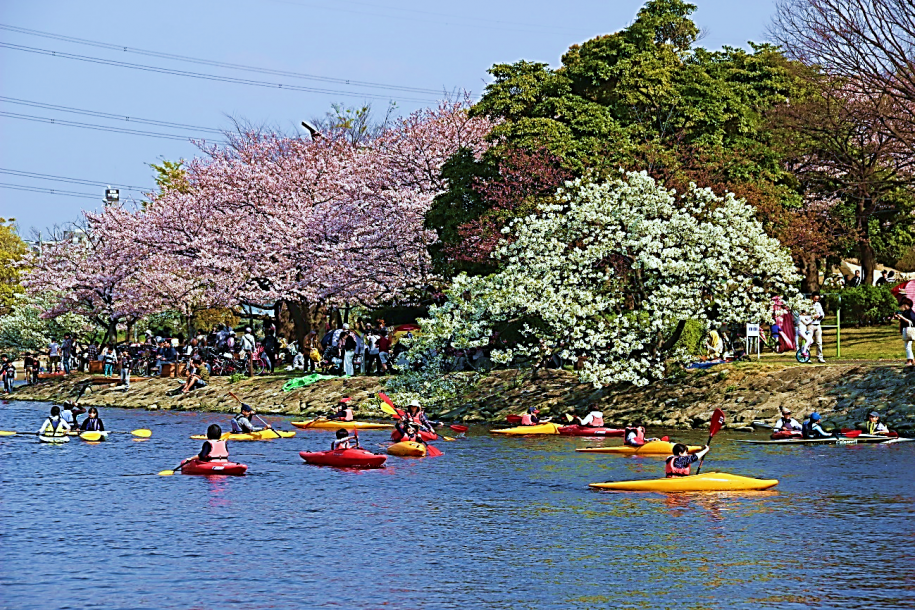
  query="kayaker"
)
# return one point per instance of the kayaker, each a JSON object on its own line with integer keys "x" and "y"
{"x": 873, "y": 425}
{"x": 344, "y": 411}
{"x": 812, "y": 428}
{"x": 531, "y": 419}
{"x": 214, "y": 449}
{"x": 416, "y": 415}
{"x": 786, "y": 423}
{"x": 54, "y": 425}
{"x": 634, "y": 436}
{"x": 241, "y": 423}
{"x": 680, "y": 463}
{"x": 92, "y": 423}
{"x": 70, "y": 412}
{"x": 594, "y": 419}
{"x": 410, "y": 434}
{"x": 344, "y": 440}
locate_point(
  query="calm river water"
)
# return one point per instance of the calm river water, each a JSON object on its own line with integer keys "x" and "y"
{"x": 494, "y": 523}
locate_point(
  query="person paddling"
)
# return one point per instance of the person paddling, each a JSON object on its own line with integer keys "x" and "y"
{"x": 634, "y": 435}
{"x": 214, "y": 449}
{"x": 786, "y": 423}
{"x": 92, "y": 423}
{"x": 344, "y": 440}
{"x": 411, "y": 434}
{"x": 416, "y": 415}
{"x": 594, "y": 419}
{"x": 680, "y": 463}
{"x": 70, "y": 412}
{"x": 241, "y": 423}
{"x": 344, "y": 411}
{"x": 812, "y": 428}
{"x": 54, "y": 425}
{"x": 873, "y": 425}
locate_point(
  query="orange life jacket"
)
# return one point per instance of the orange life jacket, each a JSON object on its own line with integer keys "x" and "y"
{"x": 672, "y": 471}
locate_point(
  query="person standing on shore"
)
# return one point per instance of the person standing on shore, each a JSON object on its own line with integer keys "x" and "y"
{"x": 66, "y": 350}
{"x": 906, "y": 318}
{"x": 815, "y": 329}
{"x": 125, "y": 363}
{"x": 53, "y": 356}
{"x": 7, "y": 373}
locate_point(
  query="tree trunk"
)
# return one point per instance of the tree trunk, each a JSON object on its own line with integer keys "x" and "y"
{"x": 111, "y": 331}
{"x": 810, "y": 269}
{"x": 298, "y": 314}
{"x": 868, "y": 262}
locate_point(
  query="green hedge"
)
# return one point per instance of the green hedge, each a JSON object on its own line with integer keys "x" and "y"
{"x": 863, "y": 305}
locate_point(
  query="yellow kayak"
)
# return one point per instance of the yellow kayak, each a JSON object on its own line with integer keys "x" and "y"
{"x": 260, "y": 435}
{"x": 547, "y": 428}
{"x": 333, "y": 424}
{"x": 707, "y": 481}
{"x": 407, "y": 449}
{"x": 650, "y": 448}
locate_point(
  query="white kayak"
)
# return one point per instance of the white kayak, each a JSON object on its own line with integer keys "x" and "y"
{"x": 54, "y": 440}
{"x": 830, "y": 440}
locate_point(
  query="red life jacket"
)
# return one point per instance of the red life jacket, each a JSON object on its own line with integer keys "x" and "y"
{"x": 597, "y": 421}
{"x": 218, "y": 451}
{"x": 407, "y": 437}
{"x": 416, "y": 419}
{"x": 672, "y": 471}
{"x": 639, "y": 439}
{"x": 527, "y": 420}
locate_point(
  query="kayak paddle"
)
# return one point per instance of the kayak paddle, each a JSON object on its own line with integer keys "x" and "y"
{"x": 714, "y": 426}
{"x": 392, "y": 411}
{"x": 168, "y": 473}
{"x": 433, "y": 451}
{"x": 91, "y": 436}
{"x": 459, "y": 428}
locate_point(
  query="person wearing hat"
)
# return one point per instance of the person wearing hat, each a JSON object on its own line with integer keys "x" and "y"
{"x": 813, "y": 429}
{"x": 411, "y": 434}
{"x": 786, "y": 423}
{"x": 344, "y": 411}
{"x": 241, "y": 423}
{"x": 530, "y": 418}
{"x": 873, "y": 425}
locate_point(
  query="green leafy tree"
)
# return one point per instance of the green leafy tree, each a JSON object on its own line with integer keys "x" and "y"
{"x": 12, "y": 250}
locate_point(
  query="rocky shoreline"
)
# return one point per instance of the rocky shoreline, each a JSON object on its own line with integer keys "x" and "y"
{"x": 843, "y": 393}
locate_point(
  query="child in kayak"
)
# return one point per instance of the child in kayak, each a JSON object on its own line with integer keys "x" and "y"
{"x": 344, "y": 440}
{"x": 873, "y": 425}
{"x": 530, "y": 418}
{"x": 214, "y": 450}
{"x": 54, "y": 425}
{"x": 416, "y": 415}
{"x": 92, "y": 423}
{"x": 411, "y": 434}
{"x": 70, "y": 412}
{"x": 812, "y": 428}
{"x": 241, "y": 423}
{"x": 680, "y": 463}
{"x": 344, "y": 411}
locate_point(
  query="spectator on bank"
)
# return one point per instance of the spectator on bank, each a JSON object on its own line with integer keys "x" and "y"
{"x": 165, "y": 354}
{"x": 54, "y": 356}
{"x": 124, "y": 364}
{"x": 31, "y": 365}
{"x": 349, "y": 344}
{"x": 66, "y": 352}
{"x": 882, "y": 279}
{"x": 271, "y": 347}
{"x": 855, "y": 280}
{"x": 197, "y": 376}
{"x": 111, "y": 359}
{"x": 906, "y": 318}
{"x": 815, "y": 329}
{"x": 7, "y": 374}
{"x": 384, "y": 349}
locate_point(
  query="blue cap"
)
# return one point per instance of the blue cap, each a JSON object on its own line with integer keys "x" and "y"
{"x": 814, "y": 416}
{"x": 246, "y": 409}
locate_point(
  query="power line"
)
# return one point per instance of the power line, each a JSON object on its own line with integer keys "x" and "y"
{"x": 218, "y": 64}
{"x": 106, "y": 115}
{"x": 198, "y": 75}
{"x": 36, "y": 175}
{"x": 36, "y": 189}
{"x": 133, "y": 132}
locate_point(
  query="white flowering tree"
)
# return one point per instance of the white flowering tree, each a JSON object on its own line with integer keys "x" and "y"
{"x": 26, "y": 329}
{"x": 609, "y": 275}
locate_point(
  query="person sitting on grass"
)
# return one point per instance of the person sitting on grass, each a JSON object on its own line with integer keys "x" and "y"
{"x": 680, "y": 463}
{"x": 197, "y": 376}
{"x": 241, "y": 423}
{"x": 344, "y": 441}
{"x": 214, "y": 449}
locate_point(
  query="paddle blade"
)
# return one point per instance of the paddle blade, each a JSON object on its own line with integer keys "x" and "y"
{"x": 446, "y": 438}
{"x": 385, "y": 398}
{"x": 6, "y": 433}
{"x": 166, "y": 473}
{"x": 432, "y": 451}
{"x": 717, "y": 422}
{"x": 142, "y": 432}
{"x": 389, "y": 410}
{"x": 92, "y": 437}
{"x": 851, "y": 433}
{"x": 459, "y": 428}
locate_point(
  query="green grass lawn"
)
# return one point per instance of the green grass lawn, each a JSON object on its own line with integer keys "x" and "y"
{"x": 867, "y": 343}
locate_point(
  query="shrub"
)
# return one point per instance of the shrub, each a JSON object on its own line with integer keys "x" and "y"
{"x": 863, "y": 305}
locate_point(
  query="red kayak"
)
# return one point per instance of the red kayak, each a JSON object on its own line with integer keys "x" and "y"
{"x": 196, "y": 466}
{"x": 588, "y": 431}
{"x": 346, "y": 458}
{"x": 426, "y": 436}
{"x": 786, "y": 434}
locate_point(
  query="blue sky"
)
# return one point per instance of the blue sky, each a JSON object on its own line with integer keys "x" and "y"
{"x": 431, "y": 46}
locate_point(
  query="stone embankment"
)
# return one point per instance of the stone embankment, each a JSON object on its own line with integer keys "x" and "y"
{"x": 746, "y": 392}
